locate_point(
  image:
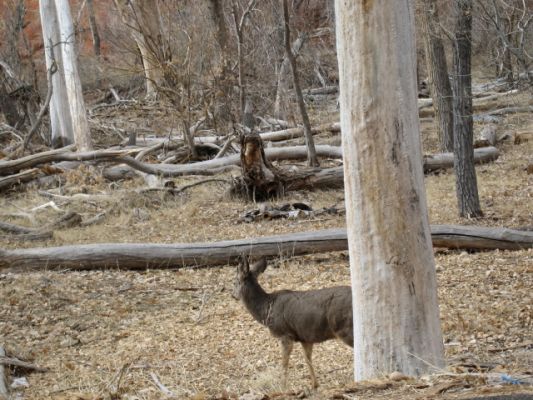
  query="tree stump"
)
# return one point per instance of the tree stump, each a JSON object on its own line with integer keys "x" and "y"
{"x": 260, "y": 180}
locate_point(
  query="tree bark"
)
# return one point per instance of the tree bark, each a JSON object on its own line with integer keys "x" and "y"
{"x": 216, "y": 8}
{"x": 60, "y": 117}
{"x": 312, "y": 159}
{"x": 439, "y": 82}
{"x": 145, "y": 255}
{"x": 395, "y": 308}
{"x": 80, "y": 126}
{"x": 281, "y": 103}
{"x": 239, "y": 23}
{"x": 465, "y": 173}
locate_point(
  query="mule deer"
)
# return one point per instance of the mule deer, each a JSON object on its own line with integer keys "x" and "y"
{"x": 308, "y": 317}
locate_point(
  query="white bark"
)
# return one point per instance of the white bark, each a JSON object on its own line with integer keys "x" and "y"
{"x": 80, "y": 126}
{"x": 396, "y": 316}
{"x": 59, "y": 109}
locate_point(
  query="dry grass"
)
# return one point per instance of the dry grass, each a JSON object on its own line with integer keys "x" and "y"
{"x": 103, "y": 333}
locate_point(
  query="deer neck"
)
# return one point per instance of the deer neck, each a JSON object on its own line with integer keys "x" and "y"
{"x": 257, "y": 301}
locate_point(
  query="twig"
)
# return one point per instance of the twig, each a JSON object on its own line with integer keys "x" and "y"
{"x": 15, "y": 362}
{"x": 225, "y": 148}
{"x": 160, "y": 386}
{"x": 50, "y": 204}
{"x": 150, "y": 150}
{"x": 115, "y": 94}
{"x": 97, "y": 218}
{"x": 114, "y": 384}
{"x": 181, "y": 189}
{"x": 205, "y": 299}
{"x": 78, "y": 196}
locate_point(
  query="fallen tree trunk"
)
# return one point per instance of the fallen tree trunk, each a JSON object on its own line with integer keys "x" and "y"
{"x": 202, "y": 168}
{"x": 21, "y": 177}
{"x": 143, "y": 256}
{"x": 441, "y": 161}
{"x": 482, "y": 101}
{"x": 64, "y": 154}
{"x": 272, "y": 136}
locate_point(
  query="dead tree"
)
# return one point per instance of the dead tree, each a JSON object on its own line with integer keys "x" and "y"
{"x": 396, "y": 315}
{"x": 511, "y": 22}
{"x": 239, "y": 22}
{"x": 260, "y": 180}
{"x": 312, "y": 159}
{"x": 60, "y": 118}
{"x": 143, "y": 18}
{"x": 465, "y": 172}
{"x": 439, "y": 82}
{"x": 281, "y": 103}
{"x": 67, "y": 109}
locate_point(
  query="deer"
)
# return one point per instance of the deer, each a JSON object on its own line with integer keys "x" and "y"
{"x": 307, "y": 317}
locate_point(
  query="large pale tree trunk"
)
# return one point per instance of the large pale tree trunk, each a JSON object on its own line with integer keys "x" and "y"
{"x": 439, "y": 82}
{"x": 80, "y": 126}
{"x": 396, "y": 315}
{"x": 60, "y": 119}
{"x": 465, "y": 172}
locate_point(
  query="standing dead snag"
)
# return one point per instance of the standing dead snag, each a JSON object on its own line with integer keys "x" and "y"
{"x": 260, "y": 180}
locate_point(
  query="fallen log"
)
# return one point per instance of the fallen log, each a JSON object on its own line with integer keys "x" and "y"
{"x": 63, "y": 154}
{"x": 480, "y": 103}
{"x": 292, "y": 133}
{"x": 203, "y": 167}
{"x": 145, "y": 255}
{"x": 272, "y": 136}
{"x": 431, "y": 162}
{"x": 24, "y": 176}
{"x": 441, "y": 161}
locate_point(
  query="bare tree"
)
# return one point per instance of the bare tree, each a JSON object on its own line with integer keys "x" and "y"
{"x": 510, "y": 21}
{"x": 67, "y": 108}
{"x": 239, "y": 22}
{"x": 312, "y": 159}
{"x": 395, "y": 309}
{"x": 281, "y": 103}
{"x": 439, "y": 82}
{"x": 80, "y": 126}
{"x": 143, "y": 18}
{"x": 463, "y": 143}
{"x": 216, "y": 7}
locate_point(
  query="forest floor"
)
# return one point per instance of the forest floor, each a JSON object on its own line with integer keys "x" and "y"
{"x": 114, "y": 334}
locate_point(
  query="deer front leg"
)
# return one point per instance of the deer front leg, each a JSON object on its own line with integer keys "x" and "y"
{"x": 308, "y": 351}
{"x": 286, "y": 348}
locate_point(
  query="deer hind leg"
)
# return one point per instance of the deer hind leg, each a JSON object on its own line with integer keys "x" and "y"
{"x": 308, "y": 351}
{"x": 286, "y": 349}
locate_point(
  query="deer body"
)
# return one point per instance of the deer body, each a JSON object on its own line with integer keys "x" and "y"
{"x": 307, "y": 317}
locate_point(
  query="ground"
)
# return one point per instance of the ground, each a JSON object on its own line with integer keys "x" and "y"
{"x": 113, "y": 334}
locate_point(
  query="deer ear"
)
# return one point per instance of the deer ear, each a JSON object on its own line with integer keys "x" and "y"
{"x": 259, "y": 267}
